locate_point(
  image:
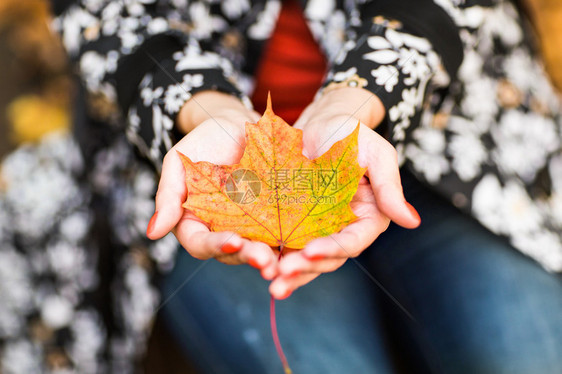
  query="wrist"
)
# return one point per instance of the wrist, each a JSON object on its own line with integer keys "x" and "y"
{"x": 351, "y": 101}
{"x": 205, "y": 105}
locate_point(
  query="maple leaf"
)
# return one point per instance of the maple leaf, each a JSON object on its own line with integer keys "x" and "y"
{"x": 275, "y": 194}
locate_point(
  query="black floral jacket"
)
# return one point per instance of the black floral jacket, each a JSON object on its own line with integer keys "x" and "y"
{"x": 486, "y": 135}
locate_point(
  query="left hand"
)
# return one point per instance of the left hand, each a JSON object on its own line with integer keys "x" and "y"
{"x": 211, "y": 120}
{"x": 379, "y": 198}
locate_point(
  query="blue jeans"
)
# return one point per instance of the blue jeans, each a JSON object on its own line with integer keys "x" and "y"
{"x": 462, "y": 301}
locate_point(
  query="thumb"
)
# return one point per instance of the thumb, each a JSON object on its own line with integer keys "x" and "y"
{"x": 384, "y": 176}
{"x": 391, "y": 202}
{"x": 170, "y": 196}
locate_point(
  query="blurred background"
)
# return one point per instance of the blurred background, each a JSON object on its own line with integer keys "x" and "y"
{"x": 34, "y": 74}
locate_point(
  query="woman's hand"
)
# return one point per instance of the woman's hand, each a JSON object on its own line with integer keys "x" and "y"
{"x": 215, "y": 125}
{"x": 379, "y": 198}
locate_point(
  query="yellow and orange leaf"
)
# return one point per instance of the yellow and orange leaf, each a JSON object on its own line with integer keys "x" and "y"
{"x": 275, "y": 194}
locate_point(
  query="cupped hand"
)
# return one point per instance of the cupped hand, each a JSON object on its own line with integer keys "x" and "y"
{"x": 379, "y": 198}
{"x": 219, "y": 138}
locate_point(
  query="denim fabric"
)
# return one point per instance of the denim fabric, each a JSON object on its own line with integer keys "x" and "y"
{"x": 462, "y": 301}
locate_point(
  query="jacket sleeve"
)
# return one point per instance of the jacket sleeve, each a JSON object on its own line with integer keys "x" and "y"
{"x": 398, "y": 50}
{"x": 144, "y": 58}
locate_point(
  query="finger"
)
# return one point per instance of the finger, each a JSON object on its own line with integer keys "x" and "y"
{"x": 349, "y": 242}
{"x": 283, "y": 287}
{"x": 170, "y": 196}
{"x": 203, "y": 244}
{"x": 384, "y": 176}
{"x": 229, "y": 259}
{"x": 295, "y": 264}
{"x": 257, "y": 254}
{"x": 270, "y": 271}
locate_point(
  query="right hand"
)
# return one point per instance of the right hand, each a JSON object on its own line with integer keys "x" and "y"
{"x": 379, "y": 197}
{"x": 215, "y": 123}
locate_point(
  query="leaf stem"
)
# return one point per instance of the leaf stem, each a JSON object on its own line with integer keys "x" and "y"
{"x": 273, "y": 323}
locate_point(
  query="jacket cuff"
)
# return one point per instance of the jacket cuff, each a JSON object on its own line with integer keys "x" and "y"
{"x": 164, "y": 90}
{"x": 394, "y": 65}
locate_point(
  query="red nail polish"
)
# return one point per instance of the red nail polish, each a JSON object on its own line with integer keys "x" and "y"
{"x": 294, "y": 273}
{"x": 413, "y": 212}
{"x": 229, "y": 248}
{"x": 314, "y": 257}
{"x": 254, "y": 263}
{"x": 285, "y": 295}
{"x": 151, "y": 224}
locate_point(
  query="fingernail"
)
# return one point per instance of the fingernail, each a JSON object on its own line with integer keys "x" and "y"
{"x": 314, "y": 256}
{"x": 413, "y": 211}
{"x": 254, "y": 263}
{"x": 294, "y": 273}
{"x": 285, "y": 295}
{"x": 229, "y": 248}
{"x": 151, "y": 224}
